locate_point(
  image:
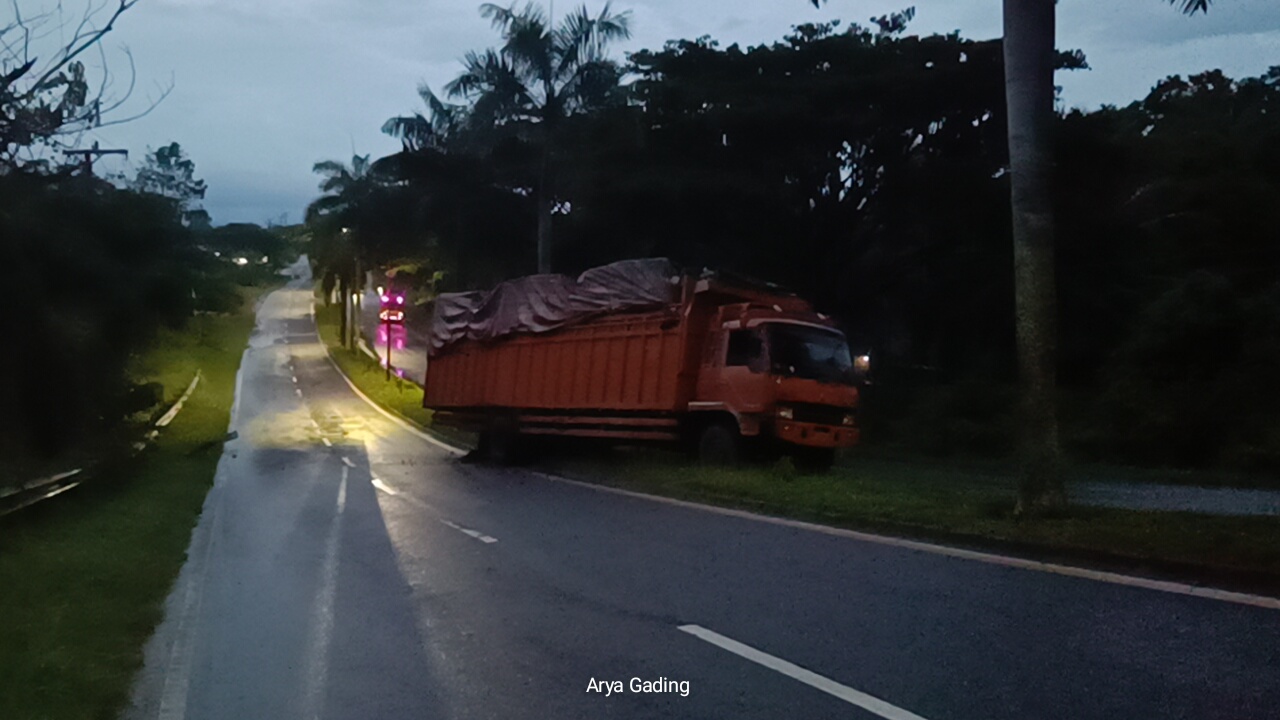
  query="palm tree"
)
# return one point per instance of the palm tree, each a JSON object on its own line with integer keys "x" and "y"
{"x": 343, "y": 186}
{"x": 332, "y": 218}
{"x": 432, "y": 132}
{"x": 537, "y": 78}
{"x": 1029, "y": 29}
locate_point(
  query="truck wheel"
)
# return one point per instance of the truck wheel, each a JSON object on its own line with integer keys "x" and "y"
{"x": 499, "y": 446}
{"x": 719, "y": 444}
{"x": 813, "y": 461}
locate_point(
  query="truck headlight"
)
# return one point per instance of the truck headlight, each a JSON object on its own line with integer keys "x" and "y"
{"x": 862, "y": 364}
{"x": 848, "y": 420}
{"x": 786, "y": 413}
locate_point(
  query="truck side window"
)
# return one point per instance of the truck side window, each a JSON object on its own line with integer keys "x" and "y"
{"x": 745, "y": 347}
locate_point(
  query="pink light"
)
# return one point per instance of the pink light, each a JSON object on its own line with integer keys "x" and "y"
{"x": 400, "y": 299}
{"x": 386, "y": 299}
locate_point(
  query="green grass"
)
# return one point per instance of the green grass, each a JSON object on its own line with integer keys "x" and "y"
{"x": 83, "y": 577}
{"x": 938, "y": 503}
{"x": 400, "y": 396}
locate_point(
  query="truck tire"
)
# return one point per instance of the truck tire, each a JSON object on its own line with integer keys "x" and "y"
{"x": 719, "y": 444}
{"x": 499, "y": 446}
{"x": 813, "y": 461}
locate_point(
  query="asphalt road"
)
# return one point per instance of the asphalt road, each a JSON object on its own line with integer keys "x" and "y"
{"x": 347, "y": 568}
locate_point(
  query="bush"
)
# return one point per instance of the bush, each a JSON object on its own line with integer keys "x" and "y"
{"x": 1195, "y": 382}
{"x": 93, "y": 273}
{"x": 963, "y": 419}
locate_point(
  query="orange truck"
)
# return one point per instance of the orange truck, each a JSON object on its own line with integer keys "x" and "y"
{"x": 639, "y": 352}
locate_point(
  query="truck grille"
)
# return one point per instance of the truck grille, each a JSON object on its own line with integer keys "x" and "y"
{"x": 820, "y": 414}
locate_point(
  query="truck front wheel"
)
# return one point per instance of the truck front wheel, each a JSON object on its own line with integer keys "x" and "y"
{"x": 719, "y": 444}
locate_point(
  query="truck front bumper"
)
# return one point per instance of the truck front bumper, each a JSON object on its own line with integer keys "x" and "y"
{"x": 816, "y": 435}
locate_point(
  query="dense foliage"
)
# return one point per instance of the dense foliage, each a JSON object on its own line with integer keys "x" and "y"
{"x": 94, "y": 272}
{"x": 91, "y": 272}
{"x": 866, "y": 168}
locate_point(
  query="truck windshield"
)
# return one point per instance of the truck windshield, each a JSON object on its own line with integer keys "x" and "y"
{"x": 810, "y": 353}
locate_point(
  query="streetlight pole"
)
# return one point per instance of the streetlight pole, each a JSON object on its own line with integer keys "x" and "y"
{"x": 386, "y": 323}
{"x": 344, "y": 287}
{"x": 88, "y": 155}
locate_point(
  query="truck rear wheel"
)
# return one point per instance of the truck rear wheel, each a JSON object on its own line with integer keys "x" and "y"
{"x": 499, "y": 446}
{"x": 813, "y": 461}
{"x": 719, "y": 444}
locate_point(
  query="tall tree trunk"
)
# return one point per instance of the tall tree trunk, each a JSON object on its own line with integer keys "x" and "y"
{"x": 546, "y": 198}
{"x": 544, "y": 232}
{"x": 356, "y": 291}
{"x": 344, "y": 289}
{"x": 1028, "y": 66}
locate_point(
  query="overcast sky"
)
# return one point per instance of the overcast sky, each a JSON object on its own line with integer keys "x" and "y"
{"x": 265, "y": 88}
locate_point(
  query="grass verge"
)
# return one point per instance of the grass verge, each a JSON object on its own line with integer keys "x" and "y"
{"x": 969, "y": 506}
{"x": 83, "y": 577}
{"x": 400, "y": 396}
{"x": 964, "y": 508}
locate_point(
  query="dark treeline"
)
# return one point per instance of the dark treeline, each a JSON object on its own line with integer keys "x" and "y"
{"x": 95, "y": 269}
{"x": 93, "y": 273}
{"x": 866, "y": 169}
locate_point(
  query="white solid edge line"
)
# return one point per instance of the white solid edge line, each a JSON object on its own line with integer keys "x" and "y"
{"x": 1210, "y": 593}
{"x": 387, "y": 414}
{"x": 172, "y": 703}
{"x": 827, "y": 685}
{"x": 235, "y": 400}
{"x": 384, "y": 487}
{"x": 390, "y": 416}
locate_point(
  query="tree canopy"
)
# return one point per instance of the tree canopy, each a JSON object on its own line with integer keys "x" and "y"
{"x": 867, "y": 168}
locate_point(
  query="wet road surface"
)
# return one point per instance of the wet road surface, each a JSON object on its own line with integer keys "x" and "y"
{"x": 345, "y": 567}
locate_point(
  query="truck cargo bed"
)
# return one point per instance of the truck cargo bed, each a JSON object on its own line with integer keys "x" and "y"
{"x": 629, "y": 363}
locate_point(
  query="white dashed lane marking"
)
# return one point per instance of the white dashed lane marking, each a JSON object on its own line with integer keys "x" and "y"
{"x": 486, "y": 539}
{"x": 468, "y": 531}
{"x": 808, "y": 677}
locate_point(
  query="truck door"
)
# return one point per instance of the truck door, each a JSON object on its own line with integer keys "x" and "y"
{"x": 734, "y": 375}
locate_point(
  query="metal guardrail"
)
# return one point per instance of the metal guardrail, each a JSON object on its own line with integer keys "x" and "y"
{"x": 16, "y": 498}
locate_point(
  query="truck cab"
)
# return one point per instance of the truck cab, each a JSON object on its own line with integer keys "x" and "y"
{"x": 776, "y": 378}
